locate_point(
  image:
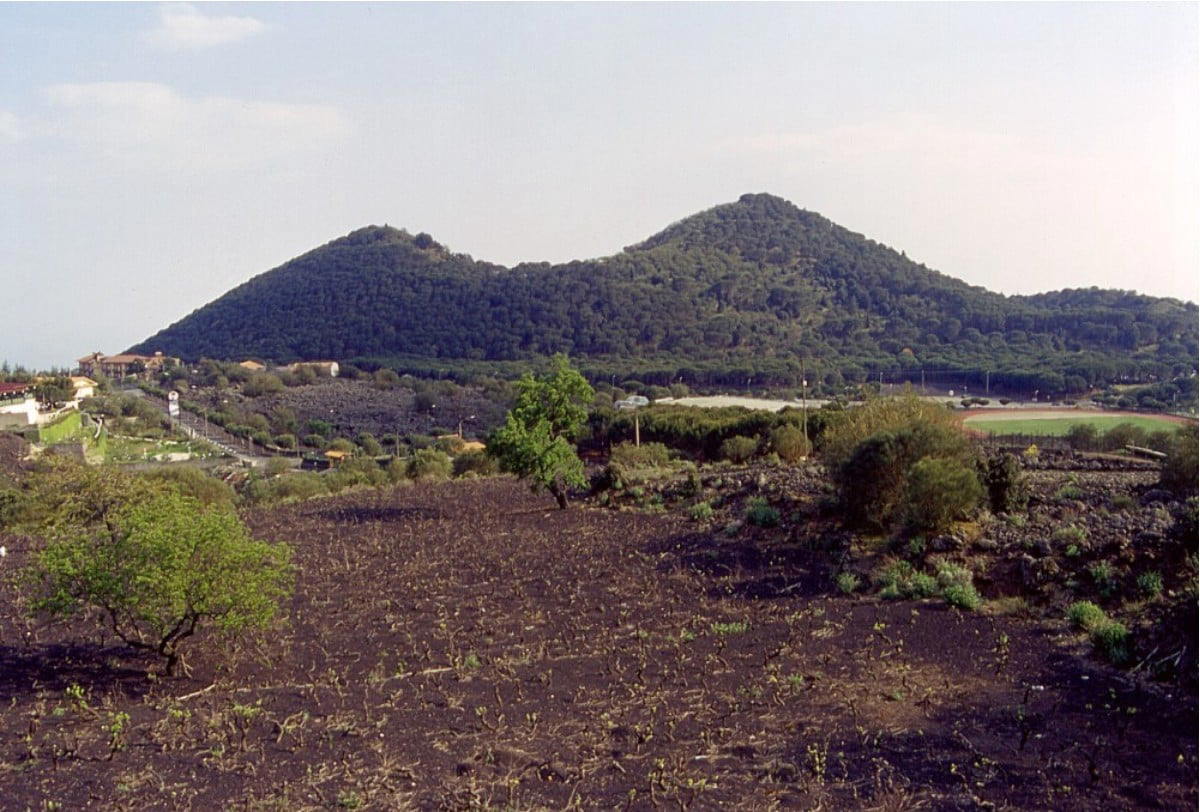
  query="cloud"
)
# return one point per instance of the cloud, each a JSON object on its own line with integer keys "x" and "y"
{"x": 147, "y": 123}
{"x": 183, "y": 27}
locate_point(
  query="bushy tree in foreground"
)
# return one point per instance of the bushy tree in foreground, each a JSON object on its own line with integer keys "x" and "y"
{"x": 535, "y": 442}
{"x": 871, "y": 452}
{"x": 147, "y": 563}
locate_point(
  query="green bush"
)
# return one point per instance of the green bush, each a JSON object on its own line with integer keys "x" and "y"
{"x": 1111, "y": 639}
{"x": 940, "y": 491}
{"x": 315, "y": 441}
{"x": 342, "y": 444}
{"x": 1086, "y": 615}
{"x": 760, "y": 513}
{"x": 369, "y": 445}
{"x": 789, "y": 443}
{"x": 1071, "y": 534}
{"x": 477, "y": 463}
{"x": 194, "y": 482}
{"x": 647, "y": 455}
{"x": 1083, "y": 437}
{"x": 291, "y": 487}
{"x": 871, "y": 450}
{"x": 1179, "y": 470}
{"x": 1150, "y": 584}
{"x": 429, "y": 463}
{"x": 921, "y": 585}
{"x": 154, "y": 566}
{"x": 847, "y": 582}
{"x": 963, "y": 596}
{"x": 1105, "y": 578}
{"x": 264, "y": 383}
{"x": 1007, "y": 489}
{"x": 738, "y": 449}
{"x": 361, "y": 471}
{"x": 285, "y": 441}
{"x": 701, "y": 512}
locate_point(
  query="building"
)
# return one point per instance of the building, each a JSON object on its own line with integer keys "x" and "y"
{"x": 84, "y": 387}
{"x": 18, "y": 406}
{"x": 124, "y": 365}
{"x": 253, "y": 366}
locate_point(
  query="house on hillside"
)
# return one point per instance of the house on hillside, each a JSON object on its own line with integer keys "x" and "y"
{"x": 252, "y": 365}
{"x": 323, "y": 368}
{"x": 18, "y": 406}
{"x": 125, "y": 365}
{"x": 84, "y": 387}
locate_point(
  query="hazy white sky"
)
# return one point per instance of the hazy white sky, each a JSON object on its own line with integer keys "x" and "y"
{"x": 154, "y": 156}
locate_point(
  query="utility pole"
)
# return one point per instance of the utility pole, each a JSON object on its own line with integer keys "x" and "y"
{"x": 987, "y": 382}
{"x": 804, "y": 408}
{"x": 637, "y": 430}
{"x": 922, "y": 380}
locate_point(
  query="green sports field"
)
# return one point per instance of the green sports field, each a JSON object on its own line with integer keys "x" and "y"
{"x": 1057, "y": 424}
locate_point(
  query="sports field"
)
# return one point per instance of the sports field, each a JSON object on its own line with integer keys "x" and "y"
{"x": 1056, "y": 423}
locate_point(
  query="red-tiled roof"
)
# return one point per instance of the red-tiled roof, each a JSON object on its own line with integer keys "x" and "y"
{"x": 5, "y": 388}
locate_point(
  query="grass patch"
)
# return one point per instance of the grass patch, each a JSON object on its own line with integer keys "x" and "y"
{"x": 1059, "y": 426}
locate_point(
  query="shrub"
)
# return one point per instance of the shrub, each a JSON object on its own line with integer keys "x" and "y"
{"x": 1123, "y": 501}
{"x": 1150, "y": 584}
{"x": 264, "y": 383}
{"x": 285, "y": 441}
{"x": 1083, "y": 437}
{"x": 194, "y": 482}
{"x": 921, "y": 585}
{"x": 359, "y": 471}
{"x": 278, "y": 465}
{"x": 315, "y": 441}
{"x": 789, "y": 443}
{"x": 1179, "y": 470}
{"x": 1071, "y": 534}
{"x": 293, "y": 487}
{"x": 1104, "y": 577}
{"x": 647, "y": 455}
{"x": 342, "y": 444}
{"x": 1007, "y": 489}
{"x": 1111, "y": 639}
{"x": 701, "y": 512}
{"x": 738, "y": 449}
{"x": 940, "y": 491}
{"x": 369, "y": 445}
{"x": 870, "y": 452}
{"x": 153, "y": 567}
{"x": 761, "y": 514}
{"x": 962, "y": 596}
{"x": 429, "y": 463}
{"x": 951, "y": 574}
{"x": 847, "y": 582}
{"x": 477, "y": 463}
{"x": 1086, "y": 615}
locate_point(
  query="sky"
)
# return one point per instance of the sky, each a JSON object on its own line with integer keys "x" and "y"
{"x": 154, "y": 156}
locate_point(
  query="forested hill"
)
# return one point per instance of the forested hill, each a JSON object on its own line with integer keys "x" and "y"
{"x": 748, "y": 289}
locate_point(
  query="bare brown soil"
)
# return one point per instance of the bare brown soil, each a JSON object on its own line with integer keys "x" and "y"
{"x": 463, "y": 645}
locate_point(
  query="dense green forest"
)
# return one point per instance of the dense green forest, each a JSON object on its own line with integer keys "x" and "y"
{"x": 755, "y": 290}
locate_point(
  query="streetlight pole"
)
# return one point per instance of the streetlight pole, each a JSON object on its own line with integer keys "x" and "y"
{"x": 804, "y": 407}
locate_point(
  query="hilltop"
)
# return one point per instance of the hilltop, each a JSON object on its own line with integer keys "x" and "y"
{"x": 757, "y": 288}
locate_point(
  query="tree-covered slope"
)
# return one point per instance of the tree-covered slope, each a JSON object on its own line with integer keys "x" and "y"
{"x": 753, "y": 285}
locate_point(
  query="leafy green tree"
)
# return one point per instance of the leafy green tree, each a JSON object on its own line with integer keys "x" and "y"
{"x": 53, "y": 391}
{"x": 147, "y": 563}
{"x": 535, "y": 442}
